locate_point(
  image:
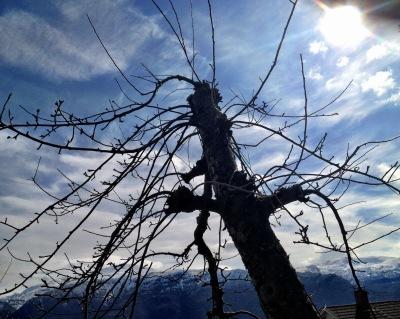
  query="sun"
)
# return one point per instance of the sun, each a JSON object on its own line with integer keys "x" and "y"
{"x": 343, "y": 26}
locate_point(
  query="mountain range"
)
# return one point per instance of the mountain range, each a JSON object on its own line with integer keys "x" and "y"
{"x": 177, "y": 295}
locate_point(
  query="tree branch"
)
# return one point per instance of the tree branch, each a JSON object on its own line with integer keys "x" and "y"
{"x": 283, "y": 196}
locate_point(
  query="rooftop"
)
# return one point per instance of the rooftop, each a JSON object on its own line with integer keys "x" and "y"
{"x": 379, "y": 310}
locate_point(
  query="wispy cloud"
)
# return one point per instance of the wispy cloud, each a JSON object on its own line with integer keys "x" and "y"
{"x": 377, "y": 52}
{"x": 69, "y": 49}
{"x": 336, "y": 83}
{"x": 383, "y": 50}
{"x": 316, "y": 47}
{"x": 394, "y": 98}
{"x": 342, "y": 61}
{"x": 314, "y": 74}
{"x": 379, "y": 83}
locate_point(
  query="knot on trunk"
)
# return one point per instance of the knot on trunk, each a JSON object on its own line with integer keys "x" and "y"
{"x": 183, "y": 200}
{"x": 203, "y": 90}
{"x": 242, "y": 180}
{"x": 199, "y": 169}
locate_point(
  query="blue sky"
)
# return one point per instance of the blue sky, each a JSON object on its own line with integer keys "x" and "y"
{"x": 50, "y": 52}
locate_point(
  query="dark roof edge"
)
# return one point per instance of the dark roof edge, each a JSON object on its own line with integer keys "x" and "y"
{"x": 352, "y": 304}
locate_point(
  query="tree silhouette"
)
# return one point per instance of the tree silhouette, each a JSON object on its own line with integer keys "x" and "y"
{"x": 220, "y": 182}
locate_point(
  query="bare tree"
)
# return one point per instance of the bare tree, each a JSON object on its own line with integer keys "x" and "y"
{"x": 247, "y": 203}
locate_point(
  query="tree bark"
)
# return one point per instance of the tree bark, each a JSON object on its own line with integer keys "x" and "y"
{"x": 281, "y": 294}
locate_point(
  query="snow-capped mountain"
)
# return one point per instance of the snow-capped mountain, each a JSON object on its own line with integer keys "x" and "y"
{"x": 175, "y": 295}
{"x": 367, "y": 268}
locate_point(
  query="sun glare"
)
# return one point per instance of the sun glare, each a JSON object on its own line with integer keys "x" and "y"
{"x": 343, "y": 26}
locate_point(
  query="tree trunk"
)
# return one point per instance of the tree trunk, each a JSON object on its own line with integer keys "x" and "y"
{"x": 281, "y": 294}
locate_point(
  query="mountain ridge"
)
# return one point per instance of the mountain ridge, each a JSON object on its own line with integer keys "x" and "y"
{"x": 183, "y": 295}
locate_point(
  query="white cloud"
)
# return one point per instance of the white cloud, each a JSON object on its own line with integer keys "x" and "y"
{"x": 383, "y": 168}
{"x": 314, "y": 74}
{"x": 342, "y": 61}
{"x": 331, "y": 83}
{"x": 335, "y": 83}
{"x": 394, "y": 98}
{"x": 316, "y": 47}
{"x": 273, "y": 160}
{"x": 70, "y": 50}
{"x": 377, "y": 52}
{"x": 379, "y": 83}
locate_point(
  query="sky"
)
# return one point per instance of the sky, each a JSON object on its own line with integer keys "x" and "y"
{"x": 49, "y": 52}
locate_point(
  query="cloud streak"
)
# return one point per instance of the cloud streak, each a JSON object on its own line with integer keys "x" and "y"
{"x": 69, "y": 50}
